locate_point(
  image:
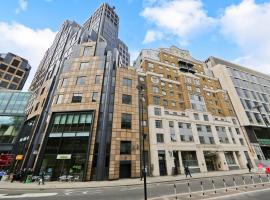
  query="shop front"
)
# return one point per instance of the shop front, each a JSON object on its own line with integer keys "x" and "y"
{"x": 66, "y": 150}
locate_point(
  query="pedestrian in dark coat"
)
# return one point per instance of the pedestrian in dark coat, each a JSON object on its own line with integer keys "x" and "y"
{"x": 187, "y": 171}
{"x": 249, "y": 167}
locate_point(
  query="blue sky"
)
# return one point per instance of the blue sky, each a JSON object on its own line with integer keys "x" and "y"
{"x": 236, "y": 30}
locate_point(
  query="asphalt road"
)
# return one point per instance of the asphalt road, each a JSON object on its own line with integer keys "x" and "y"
{"x": 259, "y": 195}
{"x": 128, "y": 192}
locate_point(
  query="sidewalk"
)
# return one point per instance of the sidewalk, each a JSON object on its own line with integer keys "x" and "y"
{"x": 115, "y": 183}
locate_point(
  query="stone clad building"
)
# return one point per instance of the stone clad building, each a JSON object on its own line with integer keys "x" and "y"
{"x": 249, "y": 91}
{"x": 14, "y": 71}
{"x": 188, "y": 117}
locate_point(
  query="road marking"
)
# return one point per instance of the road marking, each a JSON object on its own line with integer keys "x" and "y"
{"x": 131, "y": 188}
{"x": 4, "y": 196}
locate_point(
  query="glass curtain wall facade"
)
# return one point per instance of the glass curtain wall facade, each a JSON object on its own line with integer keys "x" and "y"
{"x": 12, "y": 107}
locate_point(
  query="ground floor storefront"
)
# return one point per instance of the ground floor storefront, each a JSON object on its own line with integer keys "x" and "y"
{"x": 173, "y": 162}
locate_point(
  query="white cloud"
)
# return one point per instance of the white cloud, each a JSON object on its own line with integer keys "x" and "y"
{"x": 152, "y": 36}
{"x": 248, "y": 25}
{"x": 26, "y": 42}
{"x": 22, "y": 6}
{"x": 181, "y": 18}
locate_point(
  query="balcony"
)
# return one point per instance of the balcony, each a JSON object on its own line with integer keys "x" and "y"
{"x": 186, "y": 67}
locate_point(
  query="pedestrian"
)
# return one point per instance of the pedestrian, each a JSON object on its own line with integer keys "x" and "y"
{"x": 249, "y": 167}
{"x": 187, "y": 171}
{"x": 142, "y": 174}
{"x": 42, "y": 178}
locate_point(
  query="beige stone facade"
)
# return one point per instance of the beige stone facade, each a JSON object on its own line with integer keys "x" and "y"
{"x": 190, "y": 118}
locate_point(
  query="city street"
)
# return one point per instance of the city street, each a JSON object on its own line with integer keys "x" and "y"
{"x": 134, "y": 191}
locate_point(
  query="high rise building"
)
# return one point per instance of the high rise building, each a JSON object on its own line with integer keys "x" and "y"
{"x": 187, "y": 116}
{"x": 83, "y": 117}
{"x": 249, "y": 91}
{"x": 14, "y": 71}
{"x": 105, "y": 22}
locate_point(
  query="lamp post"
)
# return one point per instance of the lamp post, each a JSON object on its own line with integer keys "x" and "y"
{"x": 143, "y": 137}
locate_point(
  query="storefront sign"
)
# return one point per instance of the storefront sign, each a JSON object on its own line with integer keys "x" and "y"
{"x": 63, "y": 156}
{"x": 19, "y": 157}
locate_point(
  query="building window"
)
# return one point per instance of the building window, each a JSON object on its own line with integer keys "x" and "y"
{"x": 126, "y": 99}
{"x": 97, "y": 79}
{"x": 173, "y": 103}
{"x": 36, "y": 106}
{"x": 15, "y": 63}
{"x": 199, "y": 128}
{"x": 201, "y": 138}
{"x": 160, "y": 138}
{"x": 211, "y": 140}
{"x": 125, "y": 147}
{"x": 158, "y": 123}
{"x": 19, "y": 73}
{"x": 76, "y": 98}
{"x": 156, "y": 100}
{"x": 42, "y": 91}
{"x": 126, "y": 121}
{"x": 127, "y": 82}
{"x": 80, "y": 80}
{"x": 64, "y": 82}
{"x": 171, "y": 124}
{"x": 196, "y": 116}
{"x": 241, "y": 141}
{"x": 165, "y": 103}
{"x": 94, "y": 96}
{"x": 157, "y": 111}
{"x": 208, "y": 128}
{"x": 155, "y": 89}
{"x": 205, "y": 117}
{"x": 59, "y": 98}
{"x": 188, "y": 126}
{"x": 237, "y": 131}
{"x": 180, "y": 125}
{"x": 84, "y": 65}
{"x": 229, "y": 158}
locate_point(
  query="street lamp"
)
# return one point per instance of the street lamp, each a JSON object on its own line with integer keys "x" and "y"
{"x": 142, "y": 138}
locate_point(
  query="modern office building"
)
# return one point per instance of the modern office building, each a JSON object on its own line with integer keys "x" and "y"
{"x": 83, "y": 118}
{"x": 249, "y": 92}
{"x": 12, "y": 116}
{"x": 14, "y": 71}
{"x": 187, "y": 116}
{"x": 105, "y": 22}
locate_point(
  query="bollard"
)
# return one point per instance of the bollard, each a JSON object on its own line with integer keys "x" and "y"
{"x": 235, "y": 183}
{"x": 202, "y": 188}
{"x": 253, "y": 181}
{"x": 268, "y": 178}
{"x": 214, "y": 187}
{"x": 225, "y": 185}
{"x": 175, "y": 191}
{"x": 189, "y": 191}
{"x": 244, "y": 182}
{"x": 261, "y": 180}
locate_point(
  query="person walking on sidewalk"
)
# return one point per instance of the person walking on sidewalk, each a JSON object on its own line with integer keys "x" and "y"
{"x": 187, "y": 171}
{"x": 249, "y": 167}
{"x": 42, "y": 178}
